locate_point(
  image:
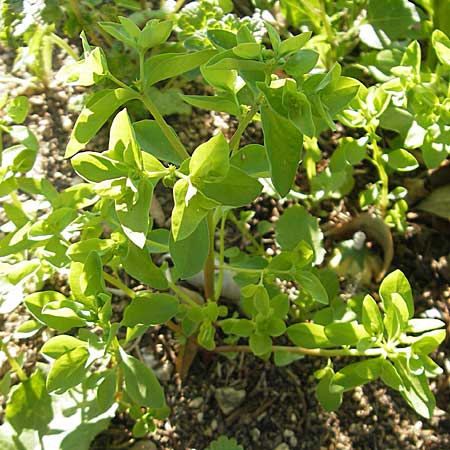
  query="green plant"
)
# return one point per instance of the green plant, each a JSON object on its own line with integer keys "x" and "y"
{"x": 99, "y": 229}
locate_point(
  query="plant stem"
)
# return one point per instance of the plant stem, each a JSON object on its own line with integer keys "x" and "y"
{"x": 328, "y": 30}
{"x": 221, "y": 257}
{"x": 379, "y": 163}
{"x": 244, "y": 231}
{"x": 165, "y": 128}
{"x": 153, "y": 110}
{"x": 236, "y": 138}
{"x": 119, "y": 284}
{"x": 141, "y": 71}
{"x": 304, "y": 351}
{"x": 181, "y": 295}
{"x": 13, "y": 363}
{"x": 208, "y": 269}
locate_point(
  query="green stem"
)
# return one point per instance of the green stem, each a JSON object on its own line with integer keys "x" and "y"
{"x": 13, "y": 363}
{"x": 119, "y": 284}
{"x": 208, "y": 269}
{"x": 304, "y": 351}
{"x": 181, "y": 295}
{"x": 165, "y": 128}
{"x": 221, "y": 257}
{"x": 243, "y": 124}
{"x": 379, "y": 164}
{"x": 328, "y": 30}
{"x": 238, "y": 269}
{"x": 244, "y": 231}
{"x": 153, "y": 110}
{"x": 141, "y": 71}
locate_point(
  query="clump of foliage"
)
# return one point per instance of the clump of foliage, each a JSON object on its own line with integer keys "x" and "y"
{"x": 101, "y": 228}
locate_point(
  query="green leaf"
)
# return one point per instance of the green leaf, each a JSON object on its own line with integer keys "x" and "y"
{"x": 282, "y": 358}
{"x": 301, "y": 62}
{"x": 283, "y": 143}
{"x": 94, "y": 115}
{"x": 58, "y": 345}
{"x": 401, "y": 160}
{"x": 248, "y": 50}
{"x": 308, "y": 335}
{"x": 119, "y": 32}
{"x": 328, "y": 398}
{"x": 414, "y": 389}
{"x": 252, "y": 159}
{"x": 371, "y": 316}
{"x": 30, "y": 406}
{"x": 133, "y": 212}
{"x": 294, "y": 43}
{"x": 260, "y": 345}
{"x": 79, "y": 251}
{"x": 428, "y": 342}
{"x": 148, "y": 309}
{"x": 441, "y": 44}
{"x": 438, "y": 202}
{"x": 222, "y": 38}
{"x": 345, "y": 333}
{"x": 169, "y": 65}
{"x": 141, "y": 383}
{"x": 95, "y": 167}
{"x": 222, "y": 103}
{"x": 189, "y": 255}
{"x": 123, "y": 144}
{"x": 296, "y": 225}
{"x": 189, "y": 210}
{"x": 313, "y": 286}
{"x": 210, "y": 161}
{"x": 18, "y": 108}
{"x": 63, "y": 318}
{"x": 357, "y": 374}
{"x": 236, "y": 189}
{"x": 153, "y": 141}
{"x": 61, "y": 315}
{"x": 68, "y": 370}
{"x": 421, "y": 325}
{"x": 396, "y": 282}
{"x": 154, "y": 33}
{"x": 86, "y": 72}
{"x": 349, "y": 152}
{"x": 139, "y": 264}
{"x": 106, "y": 390}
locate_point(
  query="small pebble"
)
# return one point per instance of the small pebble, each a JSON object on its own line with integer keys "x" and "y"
{"x": 196, "y": 403}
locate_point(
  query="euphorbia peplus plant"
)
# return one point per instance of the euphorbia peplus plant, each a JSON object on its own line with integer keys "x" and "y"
{"x": 116, "y": 233}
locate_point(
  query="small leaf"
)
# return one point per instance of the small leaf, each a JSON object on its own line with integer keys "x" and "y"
{"x": 345, "y": 333}
{"x": 58, "y": 345}
{"x": 396, "y": 282}
{"x": 30, "y": 406}
{"x": 371, "y": 316}
{"x": 210, "y": 160}
{"x": 294, "y": 43}
{"x": 441, "y": 44}
{"x": 260, "y": 345}
{"x": 308, "y": 335}
{"x": 139, "y": 264}
{"x": 313, "y": 286}
{"x": 94, "y": 115}
{"x": 150, "y": 309}
{"x": 401, "y": 160}
{"x": 169, "y": 65}
{"x": 68, "y": 370}
{"x": 296, "y": 225}
{"x": 18, "y": 108}
{"x": 141, "y": 383}
{"x": 283, "y": 143}
{"x": 189, "y": 255}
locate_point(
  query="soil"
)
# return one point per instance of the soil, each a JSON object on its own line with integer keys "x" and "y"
{"x": 277, "y": 408}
